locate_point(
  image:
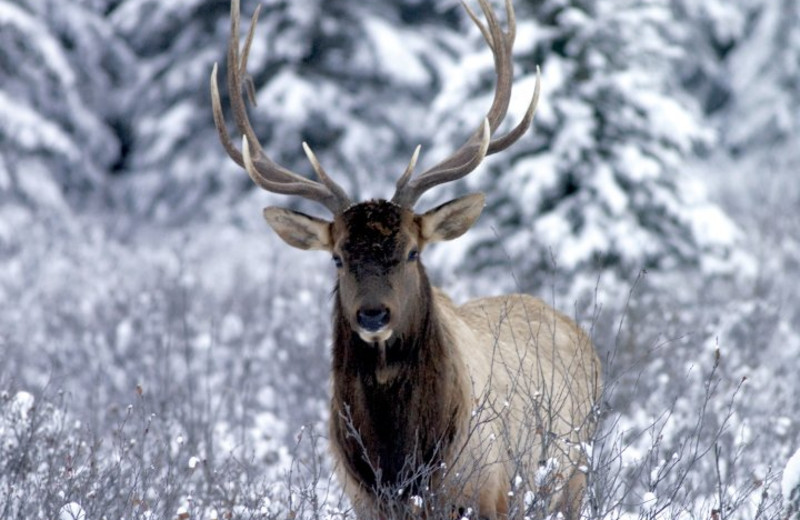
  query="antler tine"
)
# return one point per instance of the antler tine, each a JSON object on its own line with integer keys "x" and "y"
{"x": 264, "y": 171}
{"x": 248, "y": 42}
{"x": 471, "y": 153}
{"x": 309, "y": 190}
{"x": 487, "y": 36}
{"x": 219, "y": 121}
{"x": 502, "y": 64}
{"x": 501, "y": 143}
{"x": 251, "y": 89}
{"x": 329, "y": 183}
{"x": 403, "y": 180}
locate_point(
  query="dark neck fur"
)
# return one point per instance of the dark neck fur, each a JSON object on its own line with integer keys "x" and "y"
{"x": 405, "y": 421}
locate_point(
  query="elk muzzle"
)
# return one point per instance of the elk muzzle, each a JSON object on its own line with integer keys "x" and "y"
{"x": 373, "y": 319}
{"x": 373, "y": 323}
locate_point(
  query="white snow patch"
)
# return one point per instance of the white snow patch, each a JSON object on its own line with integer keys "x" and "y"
{"x": 394, "y": 53}
{"x": 536, "y": 175}
{"x": 22, "y": 403}
{"x": 124, "y": 335}
{"x": 37, "y": 182}
{"x": 30, "y": 131}
{"x": 529, "y": 499}
{"x": 638, "y": 166}
{"x": 295, "y": 96}
{"x": 649, "y": 501}
{"x": 609, "y": 190}
{"x": 171, "y": 126}
{"x": 577, "y": 135}
{"x": 712, "y": 226}
{"x": 791, "y": 476}
{"x": 232, "y": 328}
{"x": 783, "y": 425}
{"x": 72, "y": 511}
{"x": 39, "y": 37}
{"x": 545, "y": 472}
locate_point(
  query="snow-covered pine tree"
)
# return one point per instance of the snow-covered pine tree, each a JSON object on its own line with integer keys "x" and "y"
{"x": 60, "y": 67}
{"x": 766, "y": 81}
{"x": 351, "y": 79}
{"x": 602, "y": 185}
{"x": 711, "y": 31}
{"x": 761, "y": 127}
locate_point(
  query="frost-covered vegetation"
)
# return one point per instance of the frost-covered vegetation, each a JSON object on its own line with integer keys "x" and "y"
{"x": 163, "y": 355}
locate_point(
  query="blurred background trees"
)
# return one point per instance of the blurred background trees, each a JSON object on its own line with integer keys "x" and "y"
{"x": 106, "y": 105}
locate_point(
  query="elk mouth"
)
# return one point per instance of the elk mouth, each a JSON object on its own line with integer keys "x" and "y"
{"x": 376, "y": 337}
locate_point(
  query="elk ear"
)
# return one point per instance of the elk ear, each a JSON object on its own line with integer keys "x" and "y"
{"x": 298, "y": 229}
{"x": 451, "y": 219}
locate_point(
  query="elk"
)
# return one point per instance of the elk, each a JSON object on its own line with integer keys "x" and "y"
{"x": 467, "y": 400}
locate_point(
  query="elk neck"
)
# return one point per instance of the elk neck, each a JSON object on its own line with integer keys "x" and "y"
{"x": 401, "y": 397}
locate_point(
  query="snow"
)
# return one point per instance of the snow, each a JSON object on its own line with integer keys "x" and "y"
{"x": 72, "y": 511}
{"x": 124, "y": 334}
{"x": 22, "y": 405}
{"x": 294, "y": 96}
{"x": 712, "y": 225}
{"x": 546, "y": 472}
{"x": 638, "y": 166}
{"x": 609, "y": 190}
{"x": 49, "y": 50}
{"x": 577, "y": 134}
{"x": 30, "y": 130}
{"x": 790, "y": 482}
{"x": 649, "y": 501}
{"x": 231, "y": 328}
{"x": 396, "y": 53}
{"x": 171, "y": 126}
{"x": 666, "y": 115}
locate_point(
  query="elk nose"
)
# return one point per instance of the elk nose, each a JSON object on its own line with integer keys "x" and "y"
{"x": 373, "y": 319}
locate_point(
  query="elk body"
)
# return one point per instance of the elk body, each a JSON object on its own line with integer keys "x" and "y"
{"x": 463, "y": 401}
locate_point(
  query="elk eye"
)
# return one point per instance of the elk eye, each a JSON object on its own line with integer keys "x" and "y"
{"x": 337, "y": 261}
{"x": 413, "y": 255}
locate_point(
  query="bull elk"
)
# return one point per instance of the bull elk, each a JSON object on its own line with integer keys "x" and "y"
{"x": 463, "y": 401}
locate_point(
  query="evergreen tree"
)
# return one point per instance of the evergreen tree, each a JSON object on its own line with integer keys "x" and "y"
{"x": 765, "y": 68}
{"x": 351, "y": 79}
{"x": 602, "y": 184}
{"x": 61, "y": 67}
{"x": 709, "y": 31}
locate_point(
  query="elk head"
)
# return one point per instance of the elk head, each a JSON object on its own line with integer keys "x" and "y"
{"x": 375, "y": 245}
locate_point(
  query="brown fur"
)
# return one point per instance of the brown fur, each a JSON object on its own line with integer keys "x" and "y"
{"x": 460, "y": 386}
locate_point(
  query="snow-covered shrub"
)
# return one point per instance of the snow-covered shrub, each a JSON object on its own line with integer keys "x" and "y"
{"x": 178, "y": 380}
{"x": 790, "y": 486}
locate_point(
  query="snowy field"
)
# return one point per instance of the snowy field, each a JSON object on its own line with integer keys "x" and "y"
{"x": 164, "y": 355}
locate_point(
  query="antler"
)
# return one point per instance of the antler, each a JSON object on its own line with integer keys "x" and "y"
{"x": 264, "y": 172}
{"x": 480, "y": 144}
